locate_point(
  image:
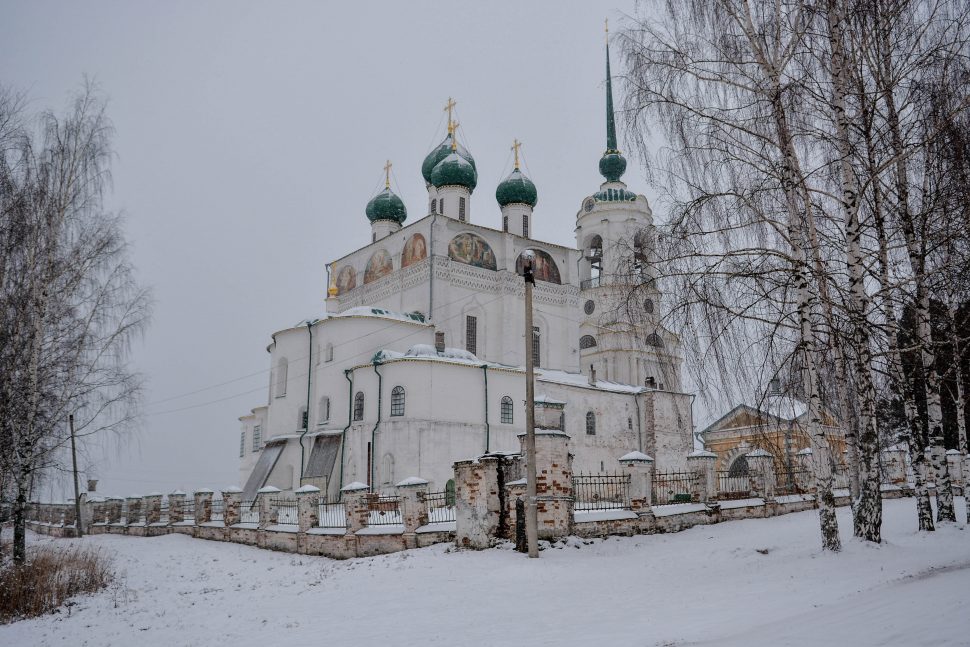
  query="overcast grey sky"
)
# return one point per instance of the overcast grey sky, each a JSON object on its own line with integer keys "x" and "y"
{"x": 250, "y": 136}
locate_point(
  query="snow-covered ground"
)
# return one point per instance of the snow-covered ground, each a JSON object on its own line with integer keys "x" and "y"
{"x": 750, "y": 583}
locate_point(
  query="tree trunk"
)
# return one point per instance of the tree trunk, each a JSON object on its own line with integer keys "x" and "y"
{"x": 867, "y": 500}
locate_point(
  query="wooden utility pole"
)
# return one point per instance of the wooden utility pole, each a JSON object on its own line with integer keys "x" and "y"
{"x": 531, "y": 514}
{"x": 77, "y": 493}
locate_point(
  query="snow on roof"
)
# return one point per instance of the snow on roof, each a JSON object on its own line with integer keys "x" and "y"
{"x": 758, "y": 453}
{"x": 232, "y": 489}
{"x": 804, "y": 452}
{"x": 578, "y": 379}
{"x": 368, "y": 311}
{"x": 427, "y": 350}
{"x": 308, "y": 488}
{"x": 635, "y": 456}
{"x": 412, "y": 480}
{"x": 701, "y": 453}
{"x": 356, "y": 485}
{"x": 542, "y": 398}
{"x": 269, "y": 489}
{"x": 784, "y": 407}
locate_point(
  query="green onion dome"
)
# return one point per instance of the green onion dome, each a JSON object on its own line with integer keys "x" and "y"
{"x": 442, "y": 151}
{"x": 516, "y": 188}
{"x": 386, "y": 206}
{"x": 454, "y": 170}
{"x": 612, "y": 165}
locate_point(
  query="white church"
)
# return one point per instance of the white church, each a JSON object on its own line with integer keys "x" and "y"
{"x": 419, "y": 361}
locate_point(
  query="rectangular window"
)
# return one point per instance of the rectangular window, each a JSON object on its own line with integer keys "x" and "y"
{"x": 257, "y": 438}
{"x": 535, "y": 346}
{"x": 434, "y": 203}
{"x": 525, "y": 225}
{"x": 441, "y": 205}
{"x": 471, "y": 334}
{"x": 242, "y": 444}
{"x": 461, "y": 209}
{"x": 505, "y": 223}
{"x": 304, "y": 418}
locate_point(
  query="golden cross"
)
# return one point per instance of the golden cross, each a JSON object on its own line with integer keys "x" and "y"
{"x": 516, "y": 144}
{"x": 449, "y": 107}
{"x": 387, "y": 174}
{"x": 452, "y": 128}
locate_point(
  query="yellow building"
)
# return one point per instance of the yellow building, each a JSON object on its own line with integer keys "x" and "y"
{"x": 776, "y": 426}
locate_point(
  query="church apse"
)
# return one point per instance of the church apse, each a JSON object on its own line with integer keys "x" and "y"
{"x": 472, "y": 250}
{"x": 415, "y": 249}
{"x": 378, "y": 266}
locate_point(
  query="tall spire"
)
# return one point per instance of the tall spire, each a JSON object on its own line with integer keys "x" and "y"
{"x": 612, "y": 164}
{"x": 610, "y": 123}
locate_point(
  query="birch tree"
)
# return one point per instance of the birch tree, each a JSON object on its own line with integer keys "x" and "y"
{"x": 69, "y": 303}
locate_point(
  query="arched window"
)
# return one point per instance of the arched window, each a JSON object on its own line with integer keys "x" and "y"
{"x": 587, "y": 341}
{"x": 648, "y": 306}
{"x": 323, "y": 414}
{"x": 590, "y": 423}
{"x": 397, "y": 401}
{"x": 506, "y": 410}
{"x": 302, "y": 418}
{"x": 739, "y": 467}
{"x": 450, "y": 492}
{"x": 281, "y": 368}
{"x": 653, "y": 339}
{"x": 359, "y": 406}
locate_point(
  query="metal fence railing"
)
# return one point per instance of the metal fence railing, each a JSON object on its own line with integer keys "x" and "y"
{"x": 163, "y": 513}
{"x": 332, "y": 515}
{"x": 188, "y": 510}
{"x": 249, "y": 511}
{"x": 601, "y": 491}
{"x": 840, "y": 477}
{"x": 732, "y": 487}
{"x": 218, "y": 511}
{"x": 792, "y": 482}
{"x": 384, "y": 511}
{"x": 674, "y": 487}
{"x": 441, "y": 506}
{"x": 286, "y": 511}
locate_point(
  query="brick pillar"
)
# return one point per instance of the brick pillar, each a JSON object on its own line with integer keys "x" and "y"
{"x": 639, "y": 467}
{"x": 954, "y": 463}
{"x": 203, "y": 506}
{"x": 134, "y": 509}
{"x": 153, "y": 508}
{"x": 354, "y": 496}
{"x": 176, "y": 507}
{"x": 478, "y": 507}
{"x": 554, "y": 482}
{"x": 308, "y": 507}
{"x": 762, "y": 467}
{"x": 702, "y": 463}
{"x": 231, "y": 498}
{"x": 894, "y": 464}
{"x": 268, "y": 514}
{"x": 414, "y": 510}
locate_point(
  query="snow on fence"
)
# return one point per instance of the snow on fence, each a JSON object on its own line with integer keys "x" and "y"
{"x": 332, "y": 515}
{"x": 601, "y": 491}
{"x": 674, "y": 487}
{"x": 163, "y": 512}
{"x": 286, "y": 511}
{"x": 249, "y": 511}
{"x": 218, "y": 513}
{"x": 384, "y": 511}
{"x": 441, "y": 506}
{"x": 840, "y": 477}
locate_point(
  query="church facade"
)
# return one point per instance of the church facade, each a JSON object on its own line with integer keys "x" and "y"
{"x": 419, "y": 361}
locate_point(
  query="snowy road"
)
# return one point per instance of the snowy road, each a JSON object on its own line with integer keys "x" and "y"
{"x": 755, "y": 582}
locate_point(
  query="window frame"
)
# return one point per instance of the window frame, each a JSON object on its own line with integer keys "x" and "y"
{"x": 590, "y": 423}
{"x": 398, "y": 401}
{"x": 257, "y": 437}
{"x": 358, "y": 406}
{"x": 471, "y": 334}
{"x": 507, "y": 410}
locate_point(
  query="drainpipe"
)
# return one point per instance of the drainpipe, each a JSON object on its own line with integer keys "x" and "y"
{"x": 373, "y": 432}
{"x": 636, "y": 401}
{"x": 343, "y": 434}
{"x": 434, "y": 218}
{"x": 487, "y": 428}
{"x": 309, "y": 374}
